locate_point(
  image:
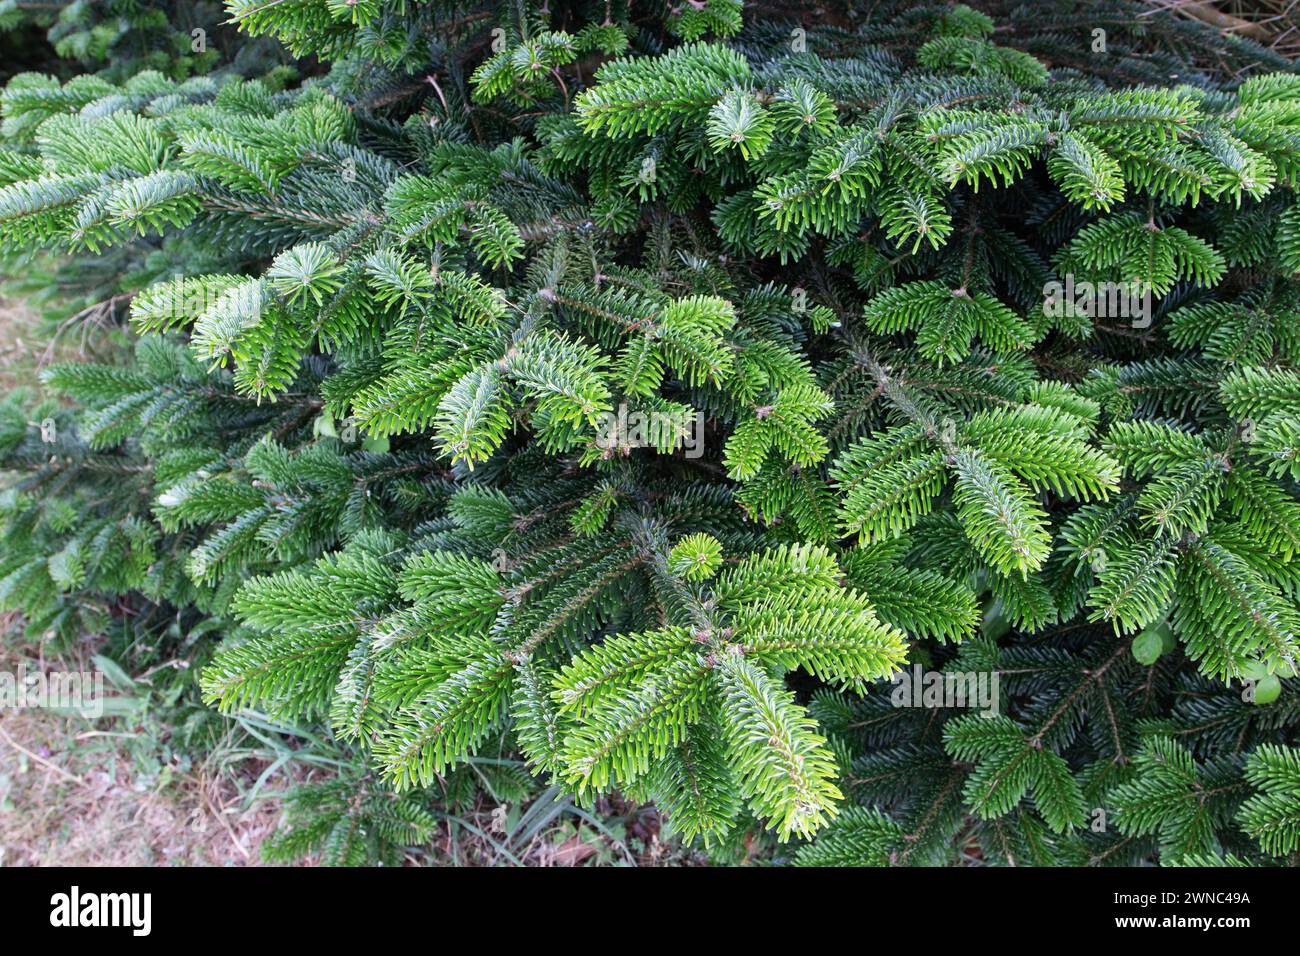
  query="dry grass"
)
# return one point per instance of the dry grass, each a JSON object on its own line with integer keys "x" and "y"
{"x": 63, "y": 805}
{"x": 20, "y": 355}
{"x": 28, "y": 343}
{"x": 76, "y": 792}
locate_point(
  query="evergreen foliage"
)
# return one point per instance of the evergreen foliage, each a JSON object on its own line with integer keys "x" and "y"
{"x": 642, "y": 393}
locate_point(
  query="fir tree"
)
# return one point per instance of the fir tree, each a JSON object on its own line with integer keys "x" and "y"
{"x": 644, "y": 393}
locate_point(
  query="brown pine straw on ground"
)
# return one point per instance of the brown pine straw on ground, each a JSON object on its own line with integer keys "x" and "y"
{"x": 1271, "y": 23}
